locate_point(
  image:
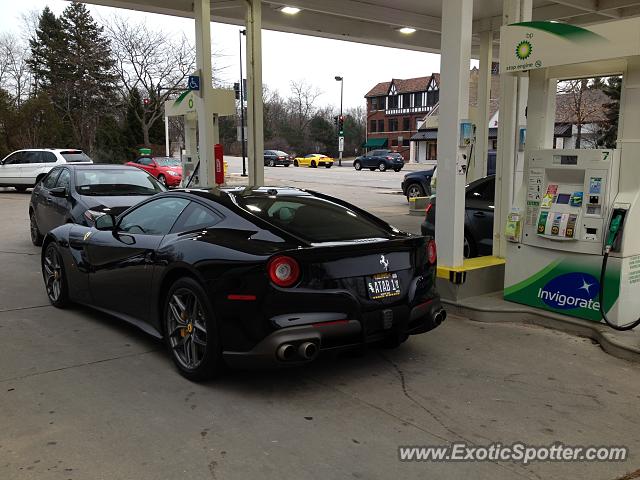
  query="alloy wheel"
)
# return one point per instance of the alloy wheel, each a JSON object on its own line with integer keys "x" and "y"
{"x": 272, "y": 163}
{"x": 52, "y": 268}
{"x": 187, "y": 328}
{"x": 414, "y": 191}
{"x": 162, "y": 180}
{"x": 382, "y": 167}
{"x": 36, "y": 238}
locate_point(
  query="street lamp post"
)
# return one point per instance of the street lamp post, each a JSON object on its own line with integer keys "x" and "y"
{"x": 242, "y": 139}
{"x": 340, "y": 133}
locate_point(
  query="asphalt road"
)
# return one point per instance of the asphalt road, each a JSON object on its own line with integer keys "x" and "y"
{"x": 83, "y": 396}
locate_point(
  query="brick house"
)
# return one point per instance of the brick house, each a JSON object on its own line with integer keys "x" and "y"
{"x": 394, "y": 109}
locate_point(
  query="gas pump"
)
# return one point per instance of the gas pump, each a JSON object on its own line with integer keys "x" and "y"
{"x": 576, "y": 251}
{"x": 186, "y": 106}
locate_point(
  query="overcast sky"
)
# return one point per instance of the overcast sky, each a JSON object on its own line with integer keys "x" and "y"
{"x": 286, "y": 56}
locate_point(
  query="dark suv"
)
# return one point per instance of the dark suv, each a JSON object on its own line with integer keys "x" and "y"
{"x": 379, "y": 159}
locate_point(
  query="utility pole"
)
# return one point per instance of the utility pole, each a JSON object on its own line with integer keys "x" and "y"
{"x": 340, "y": 122}
{"x": 242, "y": 139}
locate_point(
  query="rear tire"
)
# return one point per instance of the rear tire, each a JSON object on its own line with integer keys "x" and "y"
{"x": 295, "y": 163}
{"x": 36, "y": 236}
{"x": 191, "y": 331}
{"x": 397, "y": 169}
{"x": 55, "y": 280}
{"x": 382, "y": 167}
{"x": 286, "y": 164}
{"x": 394, "y": 340}
{"x": 20, "y": 189}
{"x": 357, "y": 165}
{"x": 469, "y": 247}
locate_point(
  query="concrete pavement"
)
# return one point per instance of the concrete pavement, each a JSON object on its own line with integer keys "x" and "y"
{"x": 84, "y": 396}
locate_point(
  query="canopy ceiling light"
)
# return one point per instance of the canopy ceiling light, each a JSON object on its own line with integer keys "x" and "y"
{"x": 290, "y": 10}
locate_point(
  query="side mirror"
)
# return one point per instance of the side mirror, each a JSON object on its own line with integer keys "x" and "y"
{"x": 60, "y": 192}
{"x": 106, "y": 222}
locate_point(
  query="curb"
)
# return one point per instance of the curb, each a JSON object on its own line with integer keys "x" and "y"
{"x": 570, "y": 325}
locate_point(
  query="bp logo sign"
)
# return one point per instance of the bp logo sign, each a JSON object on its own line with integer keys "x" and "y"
{"x": 523, "y": 50}
{"x": 571, "y": 290}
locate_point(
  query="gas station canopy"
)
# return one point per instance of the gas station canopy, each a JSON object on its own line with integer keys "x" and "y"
{"x": 377, "y": 22}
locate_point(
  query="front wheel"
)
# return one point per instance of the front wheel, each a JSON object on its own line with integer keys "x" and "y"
{"x": 382, "y": 167}
{"x": 53, "y": 273}
{"x": 191, "y": 332}
{"x": 313, "y": 164}
{"x": 162, "y": 179}
{"x": 20, "y": 188}
{"x": 272, "y": 163}
{"x": 414, "y": 190}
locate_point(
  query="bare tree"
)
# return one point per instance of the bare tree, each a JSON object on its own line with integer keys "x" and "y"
{"x": 14, "y": 72}
{"x": 579, "y": 105}
{"x": 302, "y": 101}
{"x": 151, "y": 62}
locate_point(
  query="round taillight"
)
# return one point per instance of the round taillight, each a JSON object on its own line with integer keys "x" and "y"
{"x": 283, "y": 271}
{"x": 432, "y": 255}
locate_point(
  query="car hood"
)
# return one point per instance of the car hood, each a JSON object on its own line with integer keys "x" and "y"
{"x": 116, "y": 204}
{"x": 176, "y": 169}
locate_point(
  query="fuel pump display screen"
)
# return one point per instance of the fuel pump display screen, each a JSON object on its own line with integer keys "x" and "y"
{"x": 563, "y": 198}
{"x": 565, "y": 159}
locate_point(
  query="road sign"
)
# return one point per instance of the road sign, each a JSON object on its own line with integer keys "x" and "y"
{"x": 194, "y": 82}
{"x": 341, "y": 144}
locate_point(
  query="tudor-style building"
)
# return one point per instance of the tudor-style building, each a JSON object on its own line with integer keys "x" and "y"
{"x": 394, "y": 108}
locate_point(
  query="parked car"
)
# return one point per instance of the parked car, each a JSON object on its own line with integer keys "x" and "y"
{"x": 23, "y": 169}
{"x": 81, "y": 193}
{"x": 417, "y": 184}
{"x": 273, "y": 158}
{"x": 167, "y": 170}
{"x": 379, "y": 159}
{"x": 478, "y": 219}
{"x": 313, "y": 160}
{"x": 314, "y": 274}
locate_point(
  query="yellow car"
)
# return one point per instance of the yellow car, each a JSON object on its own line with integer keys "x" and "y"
{"x": 313, "y": 160}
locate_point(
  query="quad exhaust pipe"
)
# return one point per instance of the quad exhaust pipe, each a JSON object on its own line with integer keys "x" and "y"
{"x": 308, "y": 350}
{"x": 305, "y": 351}
{"x": 286, "y": 352}
{"x": 440, "y": 316}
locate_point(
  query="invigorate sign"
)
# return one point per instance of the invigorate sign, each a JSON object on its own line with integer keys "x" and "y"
{"x": 568, "y": 286}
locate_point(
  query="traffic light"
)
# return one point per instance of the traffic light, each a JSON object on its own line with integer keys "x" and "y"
{"x": 335, "y": 121}
{"x": 236, "y": 88}
{"x": 341, "y": 125}
{"x": 146, "y": 101}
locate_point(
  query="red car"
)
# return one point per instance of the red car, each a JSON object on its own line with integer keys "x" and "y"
{"x": 167, "y": 170}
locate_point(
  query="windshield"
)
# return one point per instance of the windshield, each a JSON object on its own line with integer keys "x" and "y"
{"x": 313, "y": 219}
{"x": 167, "y": 161}
{"x": 113, "y": 182}
{"x": 76, "y": 156}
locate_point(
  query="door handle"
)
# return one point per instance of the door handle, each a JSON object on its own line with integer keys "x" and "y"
{"x": 479, "y": 214}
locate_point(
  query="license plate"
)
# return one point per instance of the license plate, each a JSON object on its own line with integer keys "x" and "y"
{"x": 383, "y": 285}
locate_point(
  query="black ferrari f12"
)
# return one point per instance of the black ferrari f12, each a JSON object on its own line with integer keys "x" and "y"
{"x": 248, "y": 276}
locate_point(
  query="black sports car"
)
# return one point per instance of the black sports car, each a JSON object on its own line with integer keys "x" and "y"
{"x": 81, "y": 193}
{"x": 246, "y": 276}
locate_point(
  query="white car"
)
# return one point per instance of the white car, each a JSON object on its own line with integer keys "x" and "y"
{"x": 22, "y": 169}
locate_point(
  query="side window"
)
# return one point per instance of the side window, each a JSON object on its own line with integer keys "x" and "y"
{"x": 50, "y": 180}
{"x": 14, "y": 159}
{"x": 154, "y": 218}
{"x": 48, "y": 157}
{"x": 145, "y": 161}
{"x": 194, "y": 217}
{"x": 32, "y": 157}
{"x": 64, "y": 179}
{"x": 484, "y": 191}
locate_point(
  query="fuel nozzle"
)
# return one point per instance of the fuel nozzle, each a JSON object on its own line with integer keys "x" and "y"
{"x": 617, "y": 218}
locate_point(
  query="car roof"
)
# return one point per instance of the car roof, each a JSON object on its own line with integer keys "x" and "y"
{"x": 59, "y": 150}
{"x": 99, "y": 166}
